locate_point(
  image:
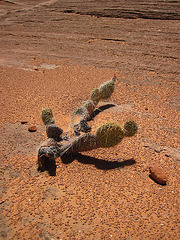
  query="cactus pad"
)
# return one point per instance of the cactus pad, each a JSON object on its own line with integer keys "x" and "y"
{"x": 47, "y": 116}
{"x": 130, "y": 128}
{"x": 95, "y": 96}
{"x": 109, "y": 135}
{"x": 106, "y": 89}
{"x": 53, "y": 131}
{"x": 89, "y": 105}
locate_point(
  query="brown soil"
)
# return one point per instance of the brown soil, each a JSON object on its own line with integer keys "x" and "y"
{"x": 53, "y": 54}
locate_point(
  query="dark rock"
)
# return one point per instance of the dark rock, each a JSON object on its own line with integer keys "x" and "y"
{"x": 24, "y": 121}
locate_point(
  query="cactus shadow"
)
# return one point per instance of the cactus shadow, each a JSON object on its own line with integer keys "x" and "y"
{"x": 103, "y": 108}
{"x": 67, "y": 159}
{"x": 49, "y": 165}
{"x": 98, "y": 163}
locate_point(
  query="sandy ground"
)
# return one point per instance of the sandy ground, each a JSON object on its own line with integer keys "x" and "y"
{"x": 54, "y": 57}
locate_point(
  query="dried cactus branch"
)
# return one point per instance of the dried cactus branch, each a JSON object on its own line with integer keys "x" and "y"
{"x": 107, "y": 135}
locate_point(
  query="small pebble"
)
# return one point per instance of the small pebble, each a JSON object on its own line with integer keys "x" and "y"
{"x": 158, "y": 174}
{"x": 24, "y": 121}
{"x": 32, "y": 129}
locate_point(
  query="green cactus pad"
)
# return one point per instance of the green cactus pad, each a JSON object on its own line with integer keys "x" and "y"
{"x": 109, "y": 135}
{"x": 130, "y": 128}
{"x": 47, "y": 116}
{"x": 95, "y": 96}
{"x": 106, "y": 89}
{"x": 89, "y": 105}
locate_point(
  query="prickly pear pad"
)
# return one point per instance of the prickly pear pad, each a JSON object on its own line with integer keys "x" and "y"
{"x": 89, "y": 105}
{"x": 130, "y": 128}
{"x": 95, "y": 96}
{"x": 106, "y": 89}
{"x": 109, "y": 135}
{"x": 47, "y": 116}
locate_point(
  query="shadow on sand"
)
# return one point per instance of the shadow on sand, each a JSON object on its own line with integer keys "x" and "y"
{"x": 103, "y": 108}
{"x": 49, "y": 165}
{"x": 98, "y": 163}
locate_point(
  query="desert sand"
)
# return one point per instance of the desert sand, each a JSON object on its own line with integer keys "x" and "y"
{"x": 52, "y": 55}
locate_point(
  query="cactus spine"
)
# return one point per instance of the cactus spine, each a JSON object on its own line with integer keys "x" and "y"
{"x": 52, "y": 130}
{"x": 106, "y": 89}
{"x": 130, "y": 128}
{"x": 85, "y": 112}
{"x": 103, "y": 92}
{"x": 109, "y": 135}
{"x": 95, "y": 96}
{"x": 90, "y": 106}
{"x": 47, "y": 116}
